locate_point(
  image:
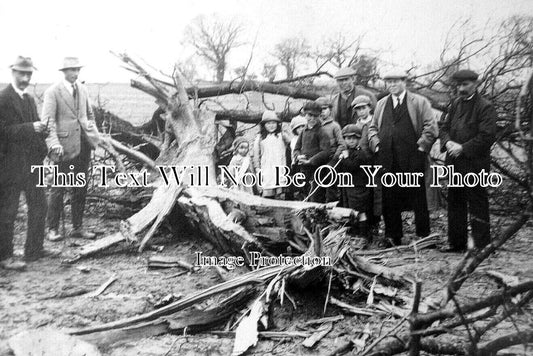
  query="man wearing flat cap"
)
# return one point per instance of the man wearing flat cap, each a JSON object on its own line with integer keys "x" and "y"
{"x": 402, "y": 132}
{"x": 467, "y": 134}
{"x": 73, "y": 134}
{"x": 342, "y": 111}
{"x": 22, "y": 137}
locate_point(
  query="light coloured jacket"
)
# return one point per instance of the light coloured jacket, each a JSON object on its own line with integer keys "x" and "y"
{"x": 422, "y": 117}
{"x": 68, "y": 119}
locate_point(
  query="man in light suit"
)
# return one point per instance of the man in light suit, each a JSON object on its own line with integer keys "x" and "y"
{"x": 73, "y": 134}
{"x": 402, "y": 132}
{"x": 21, "y": 146}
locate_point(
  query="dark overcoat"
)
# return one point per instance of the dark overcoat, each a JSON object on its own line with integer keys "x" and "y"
{"x": 21, "y": 146}
{"x": 475, "y": 131}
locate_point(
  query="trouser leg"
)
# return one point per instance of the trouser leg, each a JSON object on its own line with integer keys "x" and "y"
{"x": 420, "y": 206}
{"x": 9, "y": 202}
{"x": 55, "y": 207}
{"x": 478, "y": 207}
{"x": 81, "y": 165}
{"x": 457, "y": 218}
{"x": 36, "y": 201}
{"x": 392, "y": 214}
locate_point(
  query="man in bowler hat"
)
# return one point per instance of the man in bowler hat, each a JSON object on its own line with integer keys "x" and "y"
{"x": 73, "y": 134}
{"x": 22, "y": 136}
{"x": 467, "y": 134}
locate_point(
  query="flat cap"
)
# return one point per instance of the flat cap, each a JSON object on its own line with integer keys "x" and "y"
{"x": 464, "y": 74}
{"x": 323, "y": 101}
{"x": 361, "y": 100}
{"x": 312, "y": 108}
{"x": 395, "y": 74}
{"x": 352, "y": 130}
{"x": 298, "y": 121}
{"x": 345, "y": 73}
{"x": 270, "y": 115}
{"x": 23, "y": 64}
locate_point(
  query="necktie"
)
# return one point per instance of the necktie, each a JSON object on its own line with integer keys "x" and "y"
{"x": 74, "y": 91}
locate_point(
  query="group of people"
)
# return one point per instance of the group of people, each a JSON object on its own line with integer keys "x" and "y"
{"x": 354, "y": 129}
{"x": 65, "y": 132}
{"x": 348, "y": 131}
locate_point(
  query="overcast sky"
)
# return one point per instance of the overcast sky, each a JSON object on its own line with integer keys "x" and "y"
{"x": 405, "y": 31}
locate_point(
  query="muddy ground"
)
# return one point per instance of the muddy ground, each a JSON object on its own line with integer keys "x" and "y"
{"x": 35, "y": 298}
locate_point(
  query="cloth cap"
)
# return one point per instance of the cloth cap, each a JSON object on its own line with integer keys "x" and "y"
{"x": 345, "y": 73}
{"x": 361, "y": 100}
{"x": 312, "y": 108}
{"x": 297, "y": 121}
{"x": 465, "y": 74}
{"x": 352, "y": 130}
{"x": 323, "y": 101}
{"x": 395, "y": 74}
{"x": 269, "y": 115}
{"x": 70, "y": 62}
{"x": 23, "y": 64}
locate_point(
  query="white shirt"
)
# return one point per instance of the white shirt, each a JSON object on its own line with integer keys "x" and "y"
{"x": 398, "y": 99}
{"x": 69, "y": 85}
{"x": 18, "y": 91}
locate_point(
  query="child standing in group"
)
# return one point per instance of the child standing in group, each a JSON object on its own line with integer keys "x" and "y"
{"x": 269, "y": 152}
{"x": 333, "y": 130}
{"x": 298, "y": 124}
{"x": 357, "y": 196}
{"x": 362, "y": 106}
{"x": 313, "y": 148}
{"x": 241, "y": 163}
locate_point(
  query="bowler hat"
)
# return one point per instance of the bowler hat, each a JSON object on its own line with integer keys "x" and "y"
{"x": 361, "y": 100}
{"x": 465, "y": 74}
{"x": 312, "y": 107}
{"x": 270, "y": 115}
{"x": 323, "y": 101}
{"x": 71, "y": 62}
{"x": 345, "y": 73}
{"x": 23, "y": 64}
{"x": 352, "y": 130}
{"x": 395, "y": 74}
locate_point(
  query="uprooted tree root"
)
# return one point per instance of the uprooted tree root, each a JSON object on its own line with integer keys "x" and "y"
{"x": 240, "y": 223}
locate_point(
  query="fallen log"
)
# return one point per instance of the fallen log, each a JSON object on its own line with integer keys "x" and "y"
{"x": 96, "y": 246}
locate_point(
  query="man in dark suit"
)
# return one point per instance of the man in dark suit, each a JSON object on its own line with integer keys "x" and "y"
{"x": 402, "y": 132}
{"x": 467, "y": 134}
{"x": 23, "y": 134}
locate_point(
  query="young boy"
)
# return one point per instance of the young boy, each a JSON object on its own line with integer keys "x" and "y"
{"x": 312, "y": 147}
{"x": 333, "y": 130}
{"x": 356, "y": 197}
{"x": 362, "y": 106}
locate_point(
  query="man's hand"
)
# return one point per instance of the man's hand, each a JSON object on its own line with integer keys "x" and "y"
{"x": 454, "y": 149}
{"x": 57, "y": 150}
{"x": 40, "y": 127}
